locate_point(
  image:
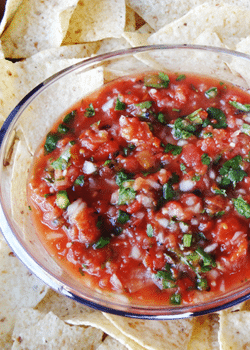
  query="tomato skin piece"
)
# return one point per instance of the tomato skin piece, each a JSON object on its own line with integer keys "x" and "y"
{"x": 191, "y": 156}
{"x": 225, "y": 229}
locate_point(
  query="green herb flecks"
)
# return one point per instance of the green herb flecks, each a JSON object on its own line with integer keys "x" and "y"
{"x": 187, "y": 240}
{"x": 240, "y": 106}
{"x": 219, "y": 116}
{"x": 211, "y": 93}
{"x": 166, "y": 277}
{"x": 183, "y": 168}
{"x": 246, "y": 129}
{"x": 242, "y": 207}
{"x": 123, "y": 217}
{"x": 119, "y": 106}
{"x": 161, "y": 118}
{"x": 186, "y": 127}
{"x": 79, "y": 181}
{"x": 168, "y": 192}
{"x": 181, "y": 77}
{"x": 102, "y": 242}
{"x": 89, "y": 111}
{"x": 157, "y": 81}
{"x": 69, "y": 117}
{"x": 126, "y": 195}
{"x": 62, "y": 199}
{"x": 174, "y": 149}
{"x": 175, "y": 299}
{"x": 205, "y": 159}
{"x": 232, "y": 172}
{"x": 219, "y": 191}
{"x": 51, "y": 142}
{"x": 63, "y": 161}
{"x": 150, "y": 230}
{"x": 62, "y": 129}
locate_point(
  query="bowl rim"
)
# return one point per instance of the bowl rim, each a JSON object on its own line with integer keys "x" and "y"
{"x": 8, "y": 231}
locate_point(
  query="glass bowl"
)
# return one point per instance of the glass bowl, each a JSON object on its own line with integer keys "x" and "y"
{"x": 48, "y": 101}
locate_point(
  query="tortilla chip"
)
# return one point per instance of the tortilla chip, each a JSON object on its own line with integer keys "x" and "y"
{"x": 77, "y": 314}
{"x": 66, "y": 52}
{"x": 94, "y": 20}
{"x": 10, "y": 8}
{"x": 205, "y": 333}
{"x": 234, "y": 330}
{"x": 158, "y": 13}
{"x": 155, "y": 335}
{"x": 111, "y": 343}
{"x": 37, "y": 25}
{"x": 9, "y": 95}
{"x": 136, "y": 39}
{"x": 112, "y": 44}
{"x": 19, "y": 288}
{"x": 145, "y": 29}
{"x": 130, "y": 23}
{"x": 230, "y": 22}
{"x": 35, "y": 331}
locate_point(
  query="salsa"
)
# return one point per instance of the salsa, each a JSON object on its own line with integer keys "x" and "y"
{"x": 143, "y": 188}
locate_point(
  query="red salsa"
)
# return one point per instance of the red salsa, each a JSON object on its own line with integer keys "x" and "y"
{"x": 143, "y": 188}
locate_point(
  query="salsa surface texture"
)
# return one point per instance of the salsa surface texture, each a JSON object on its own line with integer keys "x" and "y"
{"x": 143, "y": 188}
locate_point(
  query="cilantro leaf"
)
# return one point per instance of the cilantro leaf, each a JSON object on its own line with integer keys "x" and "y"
{"x": 121, "y": 177}
{"x": 90, "y": 111}
{"x": 157, "y": 81}
{"x": 51, "y": 142}
{"x": 242, "y": 207}
{"x": 174, "y": 149}
{"x": 123, "y": 217}
{"x": 79, "y": 181}
{"x": 219, "y": 116}
{"x": 119, "y": 106}
{"x": 61, "y": 163}
{"x": 231, "y": 171}
{"x": 102, "y": 242}
{"x": 126, "y": 195}
{"x": 205, "y": 159}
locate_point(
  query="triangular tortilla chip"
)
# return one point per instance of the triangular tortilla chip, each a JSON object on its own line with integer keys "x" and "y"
{"x": 155, "y": 335}
{"x": 230, "y": 22}
{"x": 19, "y": 288}
{"x": 37, "y": 25}
{"x": 234, "y": 330}
{"x": 94, "y": 20}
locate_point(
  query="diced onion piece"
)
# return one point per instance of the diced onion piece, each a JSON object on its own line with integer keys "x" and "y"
{"x": 187, "y": 185}
{"x": 89, "y": 167}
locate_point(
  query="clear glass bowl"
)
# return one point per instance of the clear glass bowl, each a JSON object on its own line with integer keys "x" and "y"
{"x": 48, "y": 101}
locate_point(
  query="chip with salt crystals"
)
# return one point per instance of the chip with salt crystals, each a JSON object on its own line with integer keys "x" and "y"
{"x": 95, "y": 20}
{"x": 37, "y": 25}
{"x": 155, "y": 335}
{"x": 79, "y": 315}
{"x": 234, "y": 330}
{"x": 230, "y": 22}
{"x": 34, "y": 330}
{"x": 19, "y": 288}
